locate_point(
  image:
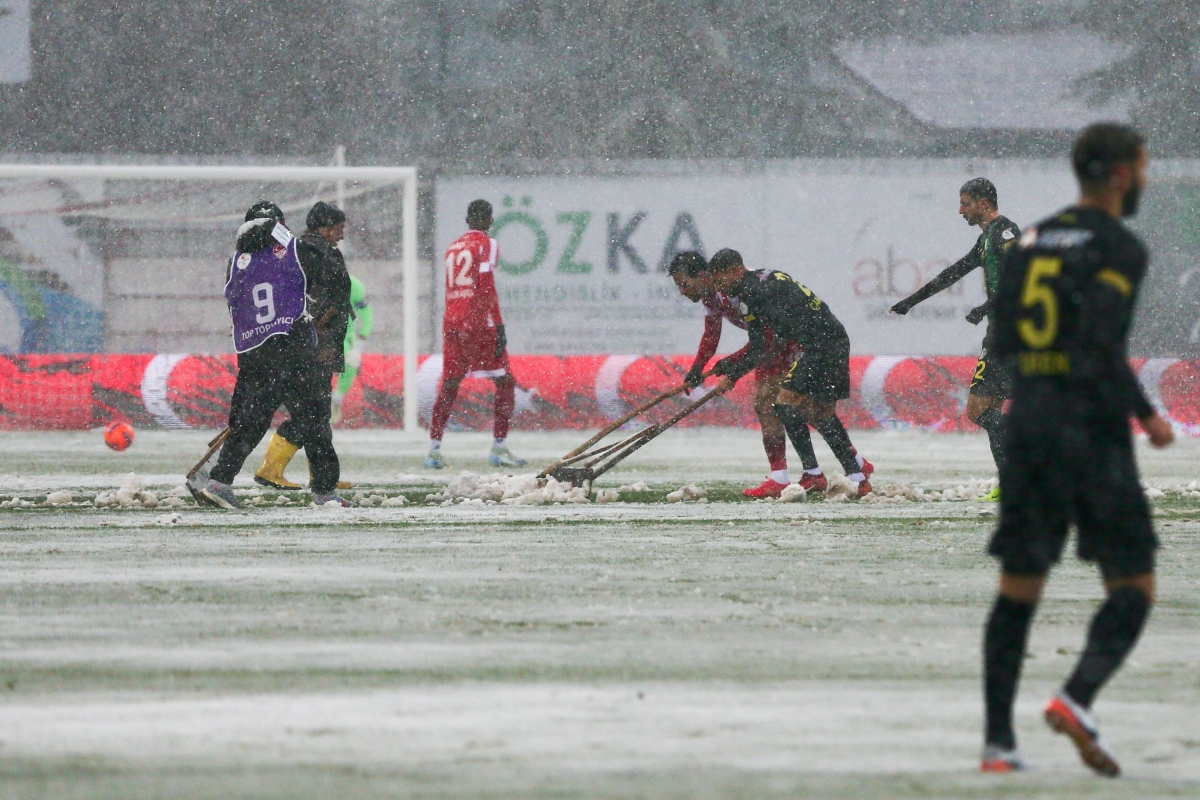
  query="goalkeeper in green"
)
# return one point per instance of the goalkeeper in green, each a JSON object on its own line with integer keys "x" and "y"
{"x": 358, "y": 332}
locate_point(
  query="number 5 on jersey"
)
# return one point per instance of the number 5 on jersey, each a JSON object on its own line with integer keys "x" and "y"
{"x": 1037, "y": 293}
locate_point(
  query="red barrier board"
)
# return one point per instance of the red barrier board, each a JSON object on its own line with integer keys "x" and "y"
{"x": 73, "y": 392}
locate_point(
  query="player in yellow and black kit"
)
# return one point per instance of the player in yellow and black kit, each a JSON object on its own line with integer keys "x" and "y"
{"x": 1063, "y": 312}
{"x": 991, "y": 383}
{"x": 816, "y": 381}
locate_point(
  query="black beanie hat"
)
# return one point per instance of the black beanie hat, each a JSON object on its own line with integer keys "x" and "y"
{"x": 324, "y": 215}
{"x": 265, "y": 209}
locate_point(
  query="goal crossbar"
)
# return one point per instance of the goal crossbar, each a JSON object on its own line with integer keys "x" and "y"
{"x": 406, "y": 176}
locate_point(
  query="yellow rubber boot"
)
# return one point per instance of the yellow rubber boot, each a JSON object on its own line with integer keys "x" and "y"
{"x": 279, "y": 455}
{"x": 341, "y": 485}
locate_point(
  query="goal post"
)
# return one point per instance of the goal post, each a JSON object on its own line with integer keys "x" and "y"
{"x": 193, "y": 208}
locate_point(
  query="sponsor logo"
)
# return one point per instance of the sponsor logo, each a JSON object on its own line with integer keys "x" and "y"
{"x": 1007, "y": 234}
{"x": 279, "y": 251}
{"x": 243, "y": 261}
{"x": 1064, "y": 239}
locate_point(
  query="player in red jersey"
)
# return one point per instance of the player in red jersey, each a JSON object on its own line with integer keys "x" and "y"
{"x": 473, "y": 338}
{"x": 768, "y": 375}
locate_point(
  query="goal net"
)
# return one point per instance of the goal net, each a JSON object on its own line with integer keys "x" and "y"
{"x": 131, "y": 259}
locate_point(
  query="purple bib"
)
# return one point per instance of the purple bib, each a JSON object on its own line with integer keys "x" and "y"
{"x": 265, "y": 292}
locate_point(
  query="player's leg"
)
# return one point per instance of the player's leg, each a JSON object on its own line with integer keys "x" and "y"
{"x": 307, "y": 400}
{"x": 814, "y": 385}
{"x": 990, "y": 385}
{"x": 794, "y": 423}
{"x": 280, "y": 451}
{"x": 774, "y": 436}
{"x": 1028, "y": 541}
{"x": 1004, "y": 638}
{"x": 256, "y": 395}
{"x": 454, "y": 368}
{"x": 502, "y": 411}
{"x": 1114, "y": 529}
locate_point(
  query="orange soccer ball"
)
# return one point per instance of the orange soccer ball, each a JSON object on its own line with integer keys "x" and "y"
{"x": 118, "y": 435}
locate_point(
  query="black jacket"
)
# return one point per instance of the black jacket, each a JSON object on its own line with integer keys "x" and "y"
{"x": 328, "y": 296}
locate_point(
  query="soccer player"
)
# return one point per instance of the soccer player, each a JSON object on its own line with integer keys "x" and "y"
{"x": 473, "y": 339}
{"x": 358, "y": 332}
{"x": 990, "y": 385}
{"x": 329, "y": 304}
{"x": 817, "y": 379}
{"x": 768, "y": 375}
{"x": 1063, "y": 311}
{"x": 277, "y": 345}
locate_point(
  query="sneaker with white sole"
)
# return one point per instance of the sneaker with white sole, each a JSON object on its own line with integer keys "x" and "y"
{"x": 1067, "y": 717}
{"x": 221, "y": 495}
{"x": 501, "y": 456}
{"x": 435, "y": 461}
{"x": 1001, "y": 759}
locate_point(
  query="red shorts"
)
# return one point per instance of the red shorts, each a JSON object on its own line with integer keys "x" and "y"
{"x": 472, "y": 352}
{"x": 778, "y": 359}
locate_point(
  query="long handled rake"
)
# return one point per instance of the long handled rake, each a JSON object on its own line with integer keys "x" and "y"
{"x": 198, "y": 475}
{"x": 581, "y": 451}
{"x": 599, "y": 461}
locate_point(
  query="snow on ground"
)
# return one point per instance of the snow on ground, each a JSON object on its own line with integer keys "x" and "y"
{"x": 637, "y": 648}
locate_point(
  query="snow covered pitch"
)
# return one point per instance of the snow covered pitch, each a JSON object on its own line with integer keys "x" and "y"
{"x": 640, "y": 648}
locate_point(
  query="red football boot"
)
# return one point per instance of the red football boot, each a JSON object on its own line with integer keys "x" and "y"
{"x": 814, "y": 483}
{"x": 769, "y": 488}
{"x": 867, "y": 468}
{"x": 864, "y": 488}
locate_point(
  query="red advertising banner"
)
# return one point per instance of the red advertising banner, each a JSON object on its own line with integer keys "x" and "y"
{"x": 73, "y": 392}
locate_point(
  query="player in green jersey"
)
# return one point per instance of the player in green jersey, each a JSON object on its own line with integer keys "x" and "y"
{"x": 357, "y": 333}
{"x": 991, "y": 383}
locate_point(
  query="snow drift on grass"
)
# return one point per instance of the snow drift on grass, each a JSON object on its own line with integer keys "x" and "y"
{"x": 508, "y": 490}
{"x": 132, "y": 494}
{"x": 686, "y": 494}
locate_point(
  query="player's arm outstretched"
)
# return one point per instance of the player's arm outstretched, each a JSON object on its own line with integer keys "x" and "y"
{"x": 942, "y": 281}
{"x": 739, "y": 364}
{"x": 708, "y": 348}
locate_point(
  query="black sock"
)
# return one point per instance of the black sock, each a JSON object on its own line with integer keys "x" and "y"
{"x": 992, "y": 421}
{"x": 1113, "y": 633}
{"x": 797, "y": 431}
{"x": 834, "y": 434}
{"x": 1003, "y": 650}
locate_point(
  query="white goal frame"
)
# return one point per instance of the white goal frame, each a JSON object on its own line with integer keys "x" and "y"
{"x": 406, "y": 176}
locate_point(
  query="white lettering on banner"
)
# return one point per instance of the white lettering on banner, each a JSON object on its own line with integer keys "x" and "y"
{"x": 583, "y": 267}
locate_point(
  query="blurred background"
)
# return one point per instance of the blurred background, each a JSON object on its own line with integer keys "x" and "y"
{"x": 826, "y": 139}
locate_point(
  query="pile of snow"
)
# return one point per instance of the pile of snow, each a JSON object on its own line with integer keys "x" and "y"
{"x": 377, "y": 500}
{"x": 507, "y": 489}
{"x": 169, "y": 519}
{"x": 840, "y": 488}
{"x": 132, "y": 494}
{"x": 908, "y": 493}
{"x": 16, "y": 502}
{"x": 687, "y": 494}
{"x": 794, "y": 493}
{"x": 640, "y": 486}
{"x": 608, "y": 496}
{"x": 59, "y": 499}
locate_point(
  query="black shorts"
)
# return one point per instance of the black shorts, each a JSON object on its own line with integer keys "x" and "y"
{"x": 822, "y": 374}
{"x": 991, "y": 379}
{"x": 1066, "y": 464}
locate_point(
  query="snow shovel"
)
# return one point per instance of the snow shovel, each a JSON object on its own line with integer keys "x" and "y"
{"x": 599, "y": 461}
{"x": 574, "y": 455}
{"x": 197, "y": 477}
